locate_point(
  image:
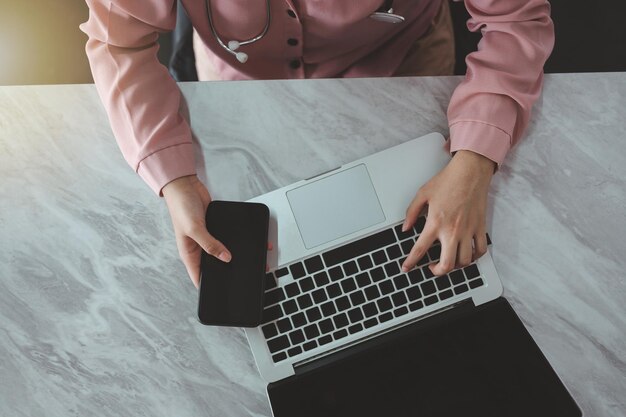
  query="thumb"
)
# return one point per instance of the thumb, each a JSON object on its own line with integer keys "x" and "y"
{"x": 211, "y": 245}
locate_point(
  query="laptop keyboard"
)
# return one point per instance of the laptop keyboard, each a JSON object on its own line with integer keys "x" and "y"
{"x": 354, "y": 287}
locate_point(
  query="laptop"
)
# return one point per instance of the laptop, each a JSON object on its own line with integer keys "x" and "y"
{"x": 342, "y": 322}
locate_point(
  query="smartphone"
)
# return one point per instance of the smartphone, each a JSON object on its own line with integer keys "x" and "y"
{"x": 231, "y": 293}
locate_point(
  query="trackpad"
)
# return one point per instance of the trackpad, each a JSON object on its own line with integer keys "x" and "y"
{"x": 335, "y": 206}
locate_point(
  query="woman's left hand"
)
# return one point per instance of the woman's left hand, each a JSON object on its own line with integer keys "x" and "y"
{"x": 457, "y": 200}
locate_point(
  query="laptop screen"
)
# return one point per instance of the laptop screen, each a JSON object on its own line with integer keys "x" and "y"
{"x": 481, "y": 363}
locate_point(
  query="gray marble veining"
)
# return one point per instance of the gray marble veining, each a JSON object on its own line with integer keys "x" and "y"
{"x": 97, "y": 315}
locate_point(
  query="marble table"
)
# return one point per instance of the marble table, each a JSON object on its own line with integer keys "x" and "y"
{"x": 98, "y": 317}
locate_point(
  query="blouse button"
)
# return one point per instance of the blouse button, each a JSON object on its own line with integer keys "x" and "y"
{"x": 295, "y": 64}
{"x": 292, "y": 41}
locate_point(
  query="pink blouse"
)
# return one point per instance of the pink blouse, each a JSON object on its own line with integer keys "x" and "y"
{"x": 487, "y": 114}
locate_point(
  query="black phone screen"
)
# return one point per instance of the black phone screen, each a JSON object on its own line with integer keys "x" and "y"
{"x": 231, "y": 293}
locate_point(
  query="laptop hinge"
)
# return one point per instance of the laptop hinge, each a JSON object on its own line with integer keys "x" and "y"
{"x": 384, "y": 336}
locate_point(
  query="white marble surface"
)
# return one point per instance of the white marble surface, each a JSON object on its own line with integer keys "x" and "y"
{"x": 97, "y": 316}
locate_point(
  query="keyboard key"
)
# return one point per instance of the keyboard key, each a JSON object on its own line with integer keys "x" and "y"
{"x": 419, "y": 224}
{"x": 415, "y": 276}
{"x": 423, "y": 261}
{"x": 274, "y": 296}
{"x": 340, "y": 320}
{"x": 319, "y": 296}
{"x": 385, "y": 317}
{"x": 292, "y": 289}
{"x": 324, "y": 340}
{"x": 298, "y": 320}
{"x": 348, "y": 285}
{"x": 406, "y": 246}
{"x": 279, "y": 343}
{"x": 272, "y": 313}
{"x": 394, "y": 252}
{"x": 416, "y": 306}
{"x": 370, "y": 323}
{"x": 311, "y": 331}
{"x": 370, "y": 309}
{"x": 386, "y": 287}
{"x": 328, "y": 309}
{"x": 304, "y": 301}
{"x": 377, "y": 274}
{"x": 321, "y": 279}
{"x": 313, "y": 264}
{"x": 333, "y": 290}
{"x": 434, "y": 253}
{"x": 306, "y": 284}
{"x": 471, "y": 271}
{"x": 427, "y": 287}
{"x": 313, "y": 314}
{"x": 384, "y": 304}
{"x": 336, "y": 273}
{"x": 400, "y": 311}
{"x": 476, "y": 283}
{"x": 379, "y": 257}
{"x": 270, "y": 282}
{"x": 402, "y": 235}
{"x": 355, "y": 328}
{"x": 401, "y": 281}
{"x": 290, "y": 306}
{"x": 444, "y": 295}
{"x": 357, "y": 298}
{"x": 431, "y": 300}
{"x": 442, "y": 282}
{"x": 359, "y": 247}
{"x": 340, "y": 334}
{"x": 279, "y": 357}
{"x": 284, "y": 325}
{"x": 427, "y": 272}
{"x": 363, "y": 279}
{"x": 326, "y": 326}
{"x": 312, "y": 344}
{"x": 296, "y": 337}
{"x": 297, "y": 270}
{"x": 350, "y": 268}
{"x": 342, "y": 303}
{"x": 392, "y": 269}
{"x": 414, "y": 293}
{"x": 372, "y": 292}
{"x": 269, "y": 330}
{"x": 296, "y": 350}
{"x": 355, "y": 315}
{"x": 456, "y": 277}
{"x": 459, "y": 289}
{"x": 399, "y": 299}
{"x": 281, "y": 272}
{"x": 365, "y": 262}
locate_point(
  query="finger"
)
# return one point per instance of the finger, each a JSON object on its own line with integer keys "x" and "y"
{"x": 210, "y": 245}
{"x": 464, "y": 254}
{"x": 414, "y": 209}
{"x": 448, "y": 256}
{"x": 423, "y": 242}
{"x": 480, "y": 245}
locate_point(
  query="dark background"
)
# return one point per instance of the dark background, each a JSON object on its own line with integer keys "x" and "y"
{"x": 40, "y": 42}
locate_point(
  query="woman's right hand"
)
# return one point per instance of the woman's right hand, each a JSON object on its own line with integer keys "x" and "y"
{"x": 187, "y": 200}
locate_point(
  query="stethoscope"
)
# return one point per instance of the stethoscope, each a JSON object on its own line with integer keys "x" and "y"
{"x": 384, "y": 14}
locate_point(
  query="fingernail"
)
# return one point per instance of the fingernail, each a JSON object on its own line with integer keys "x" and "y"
{"x": 404, "y": 226}
{"x": 224, "y": 257}
{"x": 405, "y": 269}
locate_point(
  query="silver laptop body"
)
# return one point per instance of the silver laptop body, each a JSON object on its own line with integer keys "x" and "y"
{"x": 333, "y": 209}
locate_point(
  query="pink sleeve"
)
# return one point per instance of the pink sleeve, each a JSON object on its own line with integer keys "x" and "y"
{"x": 141, "y": 98}
{"x": 490, "y": 109}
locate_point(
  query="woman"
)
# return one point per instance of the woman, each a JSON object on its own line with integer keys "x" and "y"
{"x": 488, "y": 111}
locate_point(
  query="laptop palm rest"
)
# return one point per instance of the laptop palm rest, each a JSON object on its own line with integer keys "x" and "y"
{"x": 468, "y": 361}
